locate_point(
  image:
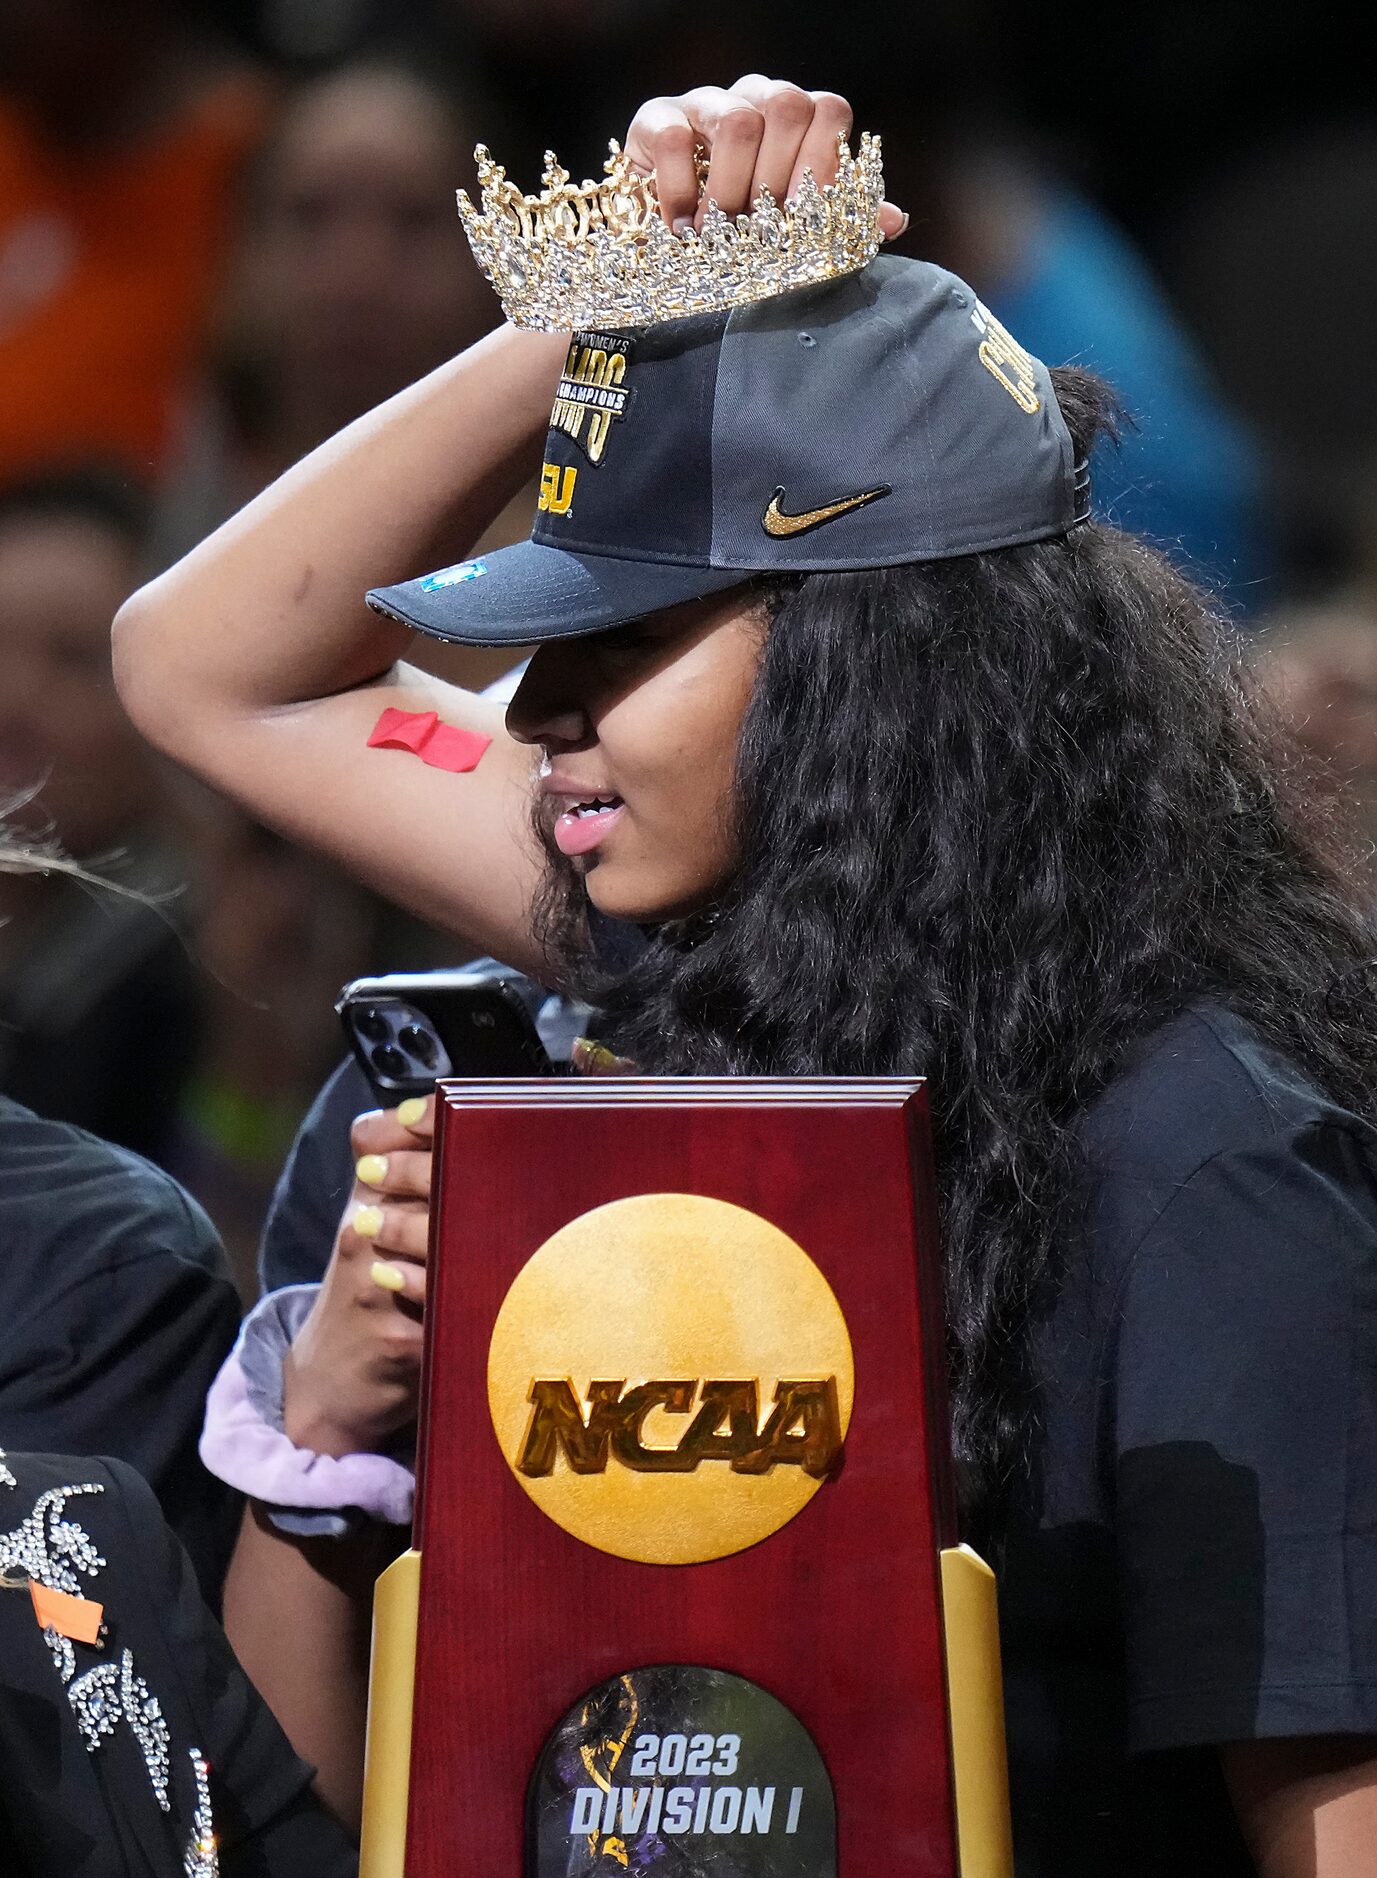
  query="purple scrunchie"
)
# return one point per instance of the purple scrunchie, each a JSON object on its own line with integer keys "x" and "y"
{"x": 243, "y": 1442}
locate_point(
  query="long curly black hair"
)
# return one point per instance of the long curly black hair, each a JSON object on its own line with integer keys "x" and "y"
{"x": 998, "y": 817}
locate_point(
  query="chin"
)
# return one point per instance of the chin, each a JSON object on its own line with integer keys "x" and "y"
{"x": 621, "y": 902}
{"x": 637, "y": 901}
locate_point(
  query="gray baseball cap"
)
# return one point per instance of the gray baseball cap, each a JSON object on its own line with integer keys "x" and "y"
{"x": 878, "y": 419}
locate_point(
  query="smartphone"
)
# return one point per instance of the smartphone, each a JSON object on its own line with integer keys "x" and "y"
{"x": 409, "y": 1028}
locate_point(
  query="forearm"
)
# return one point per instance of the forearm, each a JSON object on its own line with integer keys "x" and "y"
{"x": 298, "y": 1613}
{"x": 268, "y": 611}
{"x": 256, "y": 663}
{"x": 1308, "y": 1808}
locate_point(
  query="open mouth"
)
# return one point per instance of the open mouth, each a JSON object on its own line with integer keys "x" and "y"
{"x": 583, "y": 825}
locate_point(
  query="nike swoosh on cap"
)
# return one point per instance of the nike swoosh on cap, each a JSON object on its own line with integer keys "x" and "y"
{"x": 775, "y": 522}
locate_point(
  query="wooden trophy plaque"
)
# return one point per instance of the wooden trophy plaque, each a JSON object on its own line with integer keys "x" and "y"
{"x": 685, "y": 1598}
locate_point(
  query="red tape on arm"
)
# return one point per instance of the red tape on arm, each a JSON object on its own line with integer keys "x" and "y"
{"x": 441, "y": 746}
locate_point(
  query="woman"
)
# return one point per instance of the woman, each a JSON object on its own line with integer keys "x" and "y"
{"x": 130, "y": 1739}
{"x": 904, "y": 766}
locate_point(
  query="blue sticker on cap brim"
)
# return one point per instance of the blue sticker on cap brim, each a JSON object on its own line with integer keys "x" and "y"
{"x": 452, "y": 576}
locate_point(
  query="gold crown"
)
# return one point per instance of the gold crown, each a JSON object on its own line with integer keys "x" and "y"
{"x": 596, "y": 254}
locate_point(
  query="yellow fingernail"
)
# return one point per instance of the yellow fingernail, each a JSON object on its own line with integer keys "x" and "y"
{"x": 371, "y": 1169}
{"x": 368, "y": 1221}
{"x": 595, "y": 1059}
{"x": 411, "y": 1111}
{"x": 387, "y": 1277}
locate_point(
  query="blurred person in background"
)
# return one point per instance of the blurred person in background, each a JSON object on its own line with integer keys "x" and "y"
{"x": 1317, "y": 657}
{"x": 351, "y": 280}
{"x": 98, "y": 1000}
{"x": 1055, "y": 268}
{"x": 123, "y": 127}
{"x": 1319, "y": 664}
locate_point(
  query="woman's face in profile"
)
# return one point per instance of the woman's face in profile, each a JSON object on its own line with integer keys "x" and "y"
{"x": 639, "y": 727}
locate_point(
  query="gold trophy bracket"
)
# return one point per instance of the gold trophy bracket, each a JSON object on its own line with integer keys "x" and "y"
{"x": 391, "y": 1687}
{"x": 975, "y": 1709}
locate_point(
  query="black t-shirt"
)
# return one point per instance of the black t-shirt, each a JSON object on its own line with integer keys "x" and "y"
{"x": 78, "y": 1813}
{"x": 100, "y": 1011}
{"x": 116, "y": 1311}
{"x": 1197, "y": 1564}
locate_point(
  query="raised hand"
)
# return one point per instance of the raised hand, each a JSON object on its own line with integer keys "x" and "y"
{"x": 760, "y": 133}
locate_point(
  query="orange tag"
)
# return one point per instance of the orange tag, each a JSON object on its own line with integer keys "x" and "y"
{"x": 77, "y": 1618}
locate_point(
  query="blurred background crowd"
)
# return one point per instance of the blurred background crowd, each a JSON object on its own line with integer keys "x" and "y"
{"x": 227, "y": 227}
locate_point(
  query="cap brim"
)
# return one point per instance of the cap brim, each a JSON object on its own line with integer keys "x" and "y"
{"x": 525, "y": 594}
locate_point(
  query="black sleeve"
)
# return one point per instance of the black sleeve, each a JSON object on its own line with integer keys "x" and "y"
{"x": 314, "y": 1185}
{"x": 114, "y": 1346}
{"x": 268, "y": 1822}
{"x": 1243, "y": 1434}
{"x": 122, "y": 1070}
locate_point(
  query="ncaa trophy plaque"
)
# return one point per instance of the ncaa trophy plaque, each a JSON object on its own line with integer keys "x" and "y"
{"x": 685, "y": 1599}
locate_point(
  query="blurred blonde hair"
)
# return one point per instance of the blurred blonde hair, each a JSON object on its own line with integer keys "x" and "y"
{"x": 24, "y": 853}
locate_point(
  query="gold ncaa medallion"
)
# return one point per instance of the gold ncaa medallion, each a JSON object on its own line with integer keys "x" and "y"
{"x": 670, "y": 1378}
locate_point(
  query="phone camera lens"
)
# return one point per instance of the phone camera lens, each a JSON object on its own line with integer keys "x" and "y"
{"x": 389, "y": 1061}
{"x": 419, "y": 1043}
{"x": 371, "y": 1023}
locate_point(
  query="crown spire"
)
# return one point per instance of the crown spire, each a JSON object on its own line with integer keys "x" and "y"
{"x": 596, "y": 254}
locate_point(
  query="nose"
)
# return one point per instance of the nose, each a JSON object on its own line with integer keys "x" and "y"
{"x": 548, "y": 706}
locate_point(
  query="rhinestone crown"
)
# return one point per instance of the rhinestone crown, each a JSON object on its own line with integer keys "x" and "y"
{"x": 596, "y": 254}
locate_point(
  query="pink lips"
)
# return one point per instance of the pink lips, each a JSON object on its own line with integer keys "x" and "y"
{"x": 588, "y": 814}
{"x": 579, "y": 830}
